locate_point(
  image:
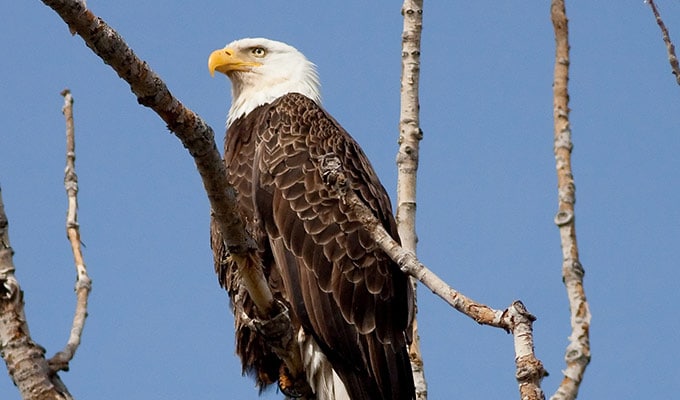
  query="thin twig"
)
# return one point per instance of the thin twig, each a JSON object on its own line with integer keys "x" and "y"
{"x": 407, "y": 162}
{"x": 61, "y": 360}
{"x": 670, "y": 48}
{"x": 578, "y": 351}
{"x": 24, "y": 358}
{"x": 515, "y": 319}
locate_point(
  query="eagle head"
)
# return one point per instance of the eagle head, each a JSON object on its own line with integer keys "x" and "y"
{"x": 262, "y": 70}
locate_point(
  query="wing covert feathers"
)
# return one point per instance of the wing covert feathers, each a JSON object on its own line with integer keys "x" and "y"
{"x": 341, "y": 288}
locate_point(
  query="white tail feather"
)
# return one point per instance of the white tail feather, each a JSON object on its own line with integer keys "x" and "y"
{"x": 324, "y": 381}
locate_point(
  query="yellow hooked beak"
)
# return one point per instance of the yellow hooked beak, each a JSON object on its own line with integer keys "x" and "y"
{"x": 226, "y": 60}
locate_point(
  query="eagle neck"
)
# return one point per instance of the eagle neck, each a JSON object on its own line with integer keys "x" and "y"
{"x": 247, "y": 97}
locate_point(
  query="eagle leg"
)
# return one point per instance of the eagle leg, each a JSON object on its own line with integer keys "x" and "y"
{"x": 279, "y": 338}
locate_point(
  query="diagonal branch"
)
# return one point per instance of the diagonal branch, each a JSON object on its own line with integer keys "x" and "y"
{"x": 515, "y": 319}
{"x": 670, "y": 48}
{"x": 407, "y": 162}
{"x": 578, "y": 351}
{"x": 24, "y": 358}
{"x": 198, "y": 138}
{"x": 60, "y": 361}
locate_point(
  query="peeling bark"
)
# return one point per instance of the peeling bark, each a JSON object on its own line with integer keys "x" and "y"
{"x": 578, "y": 351}
{"x": 24, "y": 358}
{"x": 410, "y": 135}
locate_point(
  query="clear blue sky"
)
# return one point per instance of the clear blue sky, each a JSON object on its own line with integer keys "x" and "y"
{"x": 160, "y": 326}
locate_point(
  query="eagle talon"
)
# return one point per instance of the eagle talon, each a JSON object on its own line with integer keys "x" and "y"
{"x": 287, "y": 384}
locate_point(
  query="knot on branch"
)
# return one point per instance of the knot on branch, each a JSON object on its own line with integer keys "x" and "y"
{"x": 575, "y": 354}
{"x": 9, "y": 289}
{"x": 411, "y": 11}
{"x": 84, "y": 282}
{"x": 332, "y": 173}
{"x": 572, "y": 270}
{"x": 567, "y": 193}
{"x": 71, "y": 181}
{"x": 521, "y": 310}
{"x": 530, "y": 369}
{"x": 563, "y": 139}
{"x": 59, "y": 362}
{"x": 564, "y": 217}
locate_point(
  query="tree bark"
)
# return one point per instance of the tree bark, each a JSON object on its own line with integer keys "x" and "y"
{"x": 578, "y": 350}
{"x": 198, "y": 138}
{"x": 410, "y": 135}
{"x": 24, "y": 358}
{"x": 61, "y": 360}
{"x": 515, "y": 319}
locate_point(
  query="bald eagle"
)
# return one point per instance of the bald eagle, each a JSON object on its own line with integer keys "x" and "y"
{"x": 351, "y": 306}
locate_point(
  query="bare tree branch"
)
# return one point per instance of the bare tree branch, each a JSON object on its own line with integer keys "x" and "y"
{"x": 407, "y": 162}
{"x": 578, "y": 351}
{"x": 24, "y": 358}
{"x": 409, "y": 123}
{"x": 670, "y": 48}
{"x": 515, "y": 319}
{"x": 61, "y": 360}
{"x": 198, "y": 138}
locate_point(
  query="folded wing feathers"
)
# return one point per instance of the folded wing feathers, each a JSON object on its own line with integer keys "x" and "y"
{"x": 341, "y": 287}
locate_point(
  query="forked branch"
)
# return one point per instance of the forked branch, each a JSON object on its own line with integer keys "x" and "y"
{"x": 198, "y": 138}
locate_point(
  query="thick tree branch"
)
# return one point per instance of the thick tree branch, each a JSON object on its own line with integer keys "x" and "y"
{"x": 198, "y": 138}
{"x": 578, "y": 351}
{"x": 407, "y": 161}
{"x": 24, "y": 358}
{"x": 515, "y": 319}
{"x": 60, "y": 361}
{"x": 670, "y": 48}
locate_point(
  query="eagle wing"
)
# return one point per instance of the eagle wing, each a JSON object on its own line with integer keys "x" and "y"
{"x": 343, "y": 289}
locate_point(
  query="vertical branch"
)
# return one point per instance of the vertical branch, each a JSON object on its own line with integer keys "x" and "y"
{"x": 516, "y": 319}
{"x": 83, "y": 286}
{"x": 24, "y": 358}
{"x": 578, "y": 351}
{"x": 670, "y": 48}
{"x": 407, "y": 160}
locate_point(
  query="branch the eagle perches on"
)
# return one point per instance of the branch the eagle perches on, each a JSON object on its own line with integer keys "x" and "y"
{"x": 198, "y": 138}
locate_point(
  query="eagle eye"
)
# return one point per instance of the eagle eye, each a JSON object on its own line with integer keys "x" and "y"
{"x": 258, "y": 52}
